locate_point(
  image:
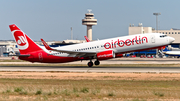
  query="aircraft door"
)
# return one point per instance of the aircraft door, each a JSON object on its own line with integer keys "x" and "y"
{"x": 153, "y": 39}
{"x": 167, "y": 39}
{"x": 40, "y": 57}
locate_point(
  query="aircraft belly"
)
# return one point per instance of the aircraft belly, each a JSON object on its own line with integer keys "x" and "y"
{"x": 58, "y": 59}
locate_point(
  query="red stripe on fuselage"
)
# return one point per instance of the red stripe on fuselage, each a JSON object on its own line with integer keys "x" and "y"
{"x": 41, "y": 56}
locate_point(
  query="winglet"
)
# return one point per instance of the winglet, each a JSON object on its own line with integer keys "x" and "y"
{"x": 87, "y": 39}
{"x": 46, "y": 45}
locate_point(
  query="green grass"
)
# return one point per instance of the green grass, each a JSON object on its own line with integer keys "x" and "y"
{"x": 111, "y": 94}
{"x": 85, "y": 90}
{"x": 39, "y": 92}
{"x": 18, "y": 89}
{"x": 54, "y": 89}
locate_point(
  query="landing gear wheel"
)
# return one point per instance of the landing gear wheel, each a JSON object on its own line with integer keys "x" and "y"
{"x": 90, "y": 64}
{"x": 96, "y": 62}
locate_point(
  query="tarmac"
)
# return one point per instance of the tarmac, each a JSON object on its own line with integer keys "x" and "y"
{"x": 106, "y": 69}
{"x": 115, "y": 61}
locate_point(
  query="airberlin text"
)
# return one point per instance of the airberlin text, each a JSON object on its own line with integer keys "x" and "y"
{"x": 127, "y": 42}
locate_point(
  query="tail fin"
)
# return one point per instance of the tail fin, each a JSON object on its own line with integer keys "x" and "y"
{"x": 25, "y": 44}
{"x": 46, "y": 45}
{"x": 87, "y": 39}
{"x": 166, "y": 49}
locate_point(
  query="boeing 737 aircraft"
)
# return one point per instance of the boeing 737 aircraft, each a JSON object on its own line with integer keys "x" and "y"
{"x": 99, "y": 50}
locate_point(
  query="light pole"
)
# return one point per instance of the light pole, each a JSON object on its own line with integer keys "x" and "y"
{"x": 71, "y": 33}
{"x": 156, "y": 14}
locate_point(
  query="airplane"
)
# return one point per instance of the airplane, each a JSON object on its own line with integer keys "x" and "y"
{"x": 87, "y": 40}
{"x": 171, "y": 53}
{"x": 99, "y": 50}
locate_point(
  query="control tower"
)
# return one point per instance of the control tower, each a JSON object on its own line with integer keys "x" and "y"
{"x": 89, "y": 21}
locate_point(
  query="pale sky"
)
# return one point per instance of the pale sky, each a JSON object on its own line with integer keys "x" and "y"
{"x": 52, "y": 19}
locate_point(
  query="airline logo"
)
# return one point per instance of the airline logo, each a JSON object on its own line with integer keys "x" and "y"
{"x": 20, "y": 39}
{"x": 127, "y": 42}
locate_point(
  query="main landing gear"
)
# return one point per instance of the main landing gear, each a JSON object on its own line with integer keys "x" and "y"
{"x": 96, "y": 62}
{"x": 90, "y": 64}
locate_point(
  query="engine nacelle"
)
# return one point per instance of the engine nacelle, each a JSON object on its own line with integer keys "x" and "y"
{"x": 105, "y": 55}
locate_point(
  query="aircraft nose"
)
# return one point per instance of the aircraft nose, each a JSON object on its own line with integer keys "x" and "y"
{"x": 171, "y": 39}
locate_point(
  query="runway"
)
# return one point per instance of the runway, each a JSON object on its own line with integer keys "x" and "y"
{"x": 104, "y": 68}
{"x": 94, "y": 69}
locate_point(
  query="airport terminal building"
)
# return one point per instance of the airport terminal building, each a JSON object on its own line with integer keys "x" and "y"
{"x": 175, "y": 33}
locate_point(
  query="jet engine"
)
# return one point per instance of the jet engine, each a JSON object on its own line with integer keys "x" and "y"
{"x": 105, "y": 55}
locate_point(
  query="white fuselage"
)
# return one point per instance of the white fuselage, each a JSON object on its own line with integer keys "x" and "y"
{"x": 119, "y": 44}
{"x": 172, "y": 53}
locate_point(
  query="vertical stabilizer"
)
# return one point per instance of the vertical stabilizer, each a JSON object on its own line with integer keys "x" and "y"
{"x": 87, "y": 39}
{"x": 24, "y": 43}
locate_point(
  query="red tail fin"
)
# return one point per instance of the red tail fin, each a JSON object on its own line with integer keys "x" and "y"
{"x": 46, "y": 45}
{"x": 25, "y": 44}
{"x": 87, "y": 39}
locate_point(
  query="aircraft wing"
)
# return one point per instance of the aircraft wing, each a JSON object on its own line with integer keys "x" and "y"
{"x": 71, "y": 53}
{"x": 21, "y": 55}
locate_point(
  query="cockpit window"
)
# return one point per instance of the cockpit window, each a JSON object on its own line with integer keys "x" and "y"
{"x": 163, "y": 36}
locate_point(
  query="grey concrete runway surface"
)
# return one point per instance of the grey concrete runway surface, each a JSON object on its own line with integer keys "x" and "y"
{"x": 94, "y": 69}
{"x": 77, "y": 68}
{"x": 119, "y": 61}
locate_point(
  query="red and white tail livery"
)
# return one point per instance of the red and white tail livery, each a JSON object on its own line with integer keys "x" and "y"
{"x": 25, "y": 44}
{"x": 98, "y": 50}
{"x": 87, "y": 39}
